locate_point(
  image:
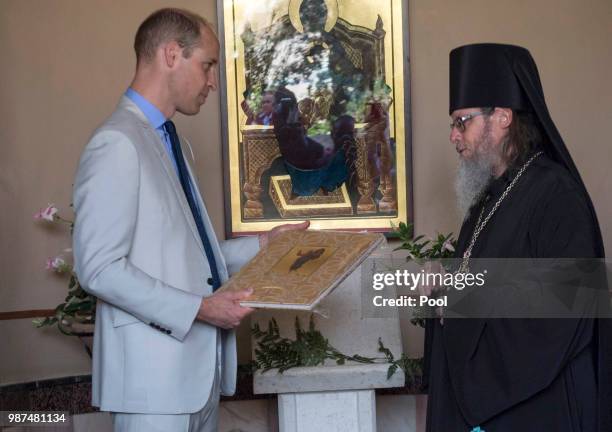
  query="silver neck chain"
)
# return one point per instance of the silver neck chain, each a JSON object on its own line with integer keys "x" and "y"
{"x": 480, "y": 224}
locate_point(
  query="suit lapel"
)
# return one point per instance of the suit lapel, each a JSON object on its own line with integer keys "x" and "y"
{"x": 221, "y": 266}
{"x": 169, "y": 169}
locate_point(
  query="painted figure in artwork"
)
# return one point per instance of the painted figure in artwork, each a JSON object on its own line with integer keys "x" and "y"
{"x": 315, "y": 162}
{"x": 304, "y": 257}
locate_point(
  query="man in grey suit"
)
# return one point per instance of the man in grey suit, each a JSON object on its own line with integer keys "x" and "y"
{"x": 164, "y": 349}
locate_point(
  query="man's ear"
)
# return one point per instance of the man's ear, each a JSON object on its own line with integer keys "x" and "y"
{"x": 170, "y": 53}
{"x": 504, "y": 117}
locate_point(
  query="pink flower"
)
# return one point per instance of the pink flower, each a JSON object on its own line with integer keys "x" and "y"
{"x": 448, "y": 246}
{"x": 47, "y": 214}
{"x": 57, "y": 264}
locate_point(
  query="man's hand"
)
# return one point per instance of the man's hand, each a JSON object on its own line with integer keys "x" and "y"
{"x": 425, "y": 289}
{"x": 265, "y": 238}
{"x": 431, "y": 290}
{"x": 223, "y": 310}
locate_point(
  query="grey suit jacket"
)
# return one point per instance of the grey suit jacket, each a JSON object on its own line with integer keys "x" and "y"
{"x": 138, "y": 250}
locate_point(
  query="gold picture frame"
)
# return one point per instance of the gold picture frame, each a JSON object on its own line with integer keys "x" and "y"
{"x": 335, "y": 73}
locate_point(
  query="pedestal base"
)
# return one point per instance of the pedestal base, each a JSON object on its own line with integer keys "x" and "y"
{"x": 337, "y": 411}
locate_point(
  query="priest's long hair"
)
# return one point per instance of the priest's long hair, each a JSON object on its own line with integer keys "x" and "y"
{"x": 524, "y": 137}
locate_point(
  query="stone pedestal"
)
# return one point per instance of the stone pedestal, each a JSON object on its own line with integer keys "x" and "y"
{"x": 340, "y": 411}
{"x": 334, "y": 397}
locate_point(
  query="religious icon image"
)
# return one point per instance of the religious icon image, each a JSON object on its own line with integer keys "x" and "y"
{"x": 316, "y": 109}
{"x": 298, "y": 268}
{"x": 304, "y": 257}
{"x": 303, "y": 260}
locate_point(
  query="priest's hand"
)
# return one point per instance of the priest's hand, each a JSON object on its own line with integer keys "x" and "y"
{"x": 223, "y": 309}
{"x": 265, "y": 238}
{"x": 432, "y": 290}
{"x": 429, "y": 290}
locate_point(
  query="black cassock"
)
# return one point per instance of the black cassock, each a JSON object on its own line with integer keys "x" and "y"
{"x": 523, "y": 375}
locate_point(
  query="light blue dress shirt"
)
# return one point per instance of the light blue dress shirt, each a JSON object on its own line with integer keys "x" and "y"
{"x": 157, "y": 119}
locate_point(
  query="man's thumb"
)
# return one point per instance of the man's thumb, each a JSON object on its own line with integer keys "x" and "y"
{"x": 298, "y": 226}
{"x": 242, "y": 294}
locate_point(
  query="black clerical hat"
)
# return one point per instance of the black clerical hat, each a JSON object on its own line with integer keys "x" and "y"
{"x": 506, "y": 76}
{"x": 482, "y": 75}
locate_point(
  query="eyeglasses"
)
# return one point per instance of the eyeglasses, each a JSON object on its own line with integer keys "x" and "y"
{"x": 459, "y": 122}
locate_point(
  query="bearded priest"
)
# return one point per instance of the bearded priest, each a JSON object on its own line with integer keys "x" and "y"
{"x": 522, "y": 197}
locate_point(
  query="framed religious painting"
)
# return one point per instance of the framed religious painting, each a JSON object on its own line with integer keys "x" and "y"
{"x": 315, "y": 114}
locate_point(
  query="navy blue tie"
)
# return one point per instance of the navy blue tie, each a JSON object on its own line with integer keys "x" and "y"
{"x": 184, "y": 178}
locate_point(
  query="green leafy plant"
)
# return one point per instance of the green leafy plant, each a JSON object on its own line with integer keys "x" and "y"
{"x": 311, "y": 348}
{"x": 412, "y": 367}
{"x": 421, "y": 249}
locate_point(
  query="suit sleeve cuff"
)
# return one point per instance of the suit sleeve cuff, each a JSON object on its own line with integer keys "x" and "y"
{"x": 187, "y": 317}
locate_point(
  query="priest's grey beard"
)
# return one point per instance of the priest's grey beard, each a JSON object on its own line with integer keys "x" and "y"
{"x": 473, "y": 175}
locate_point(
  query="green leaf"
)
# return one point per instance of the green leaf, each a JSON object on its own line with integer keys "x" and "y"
{"x": 386, "y": 351}
{"x": 392, "y": 369}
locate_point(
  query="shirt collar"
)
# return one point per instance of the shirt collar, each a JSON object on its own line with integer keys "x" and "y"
{"x": 153, "y": 115}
